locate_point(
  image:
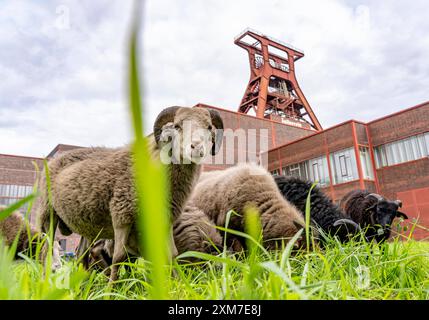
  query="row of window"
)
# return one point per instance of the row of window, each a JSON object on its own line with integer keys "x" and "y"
{"x": 412, "y": 148}
{"x": 8, "y": 201}
{"x": 11, "y": 193}
{"x": 15, "y": 191}
{"x": 344, "y": 165}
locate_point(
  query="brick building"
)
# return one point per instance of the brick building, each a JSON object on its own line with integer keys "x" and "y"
{"x": 389, "y": 156}
{"x": 246, "y": 130}
{"x": 18, "y": 175}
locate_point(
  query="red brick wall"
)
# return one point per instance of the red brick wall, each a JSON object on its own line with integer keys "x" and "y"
{"x": 338, "y": 191}
{"x": 16, "y": 170}
{"x": 403, "y": 177}
{"x": 276, "y": 134}
{"x": 330, "y": 140}
{"x": 361, "y": 135}
{"x": 416, "y": 206}
{"x": 400, "y": 125}
{"x": 339, "y": 137}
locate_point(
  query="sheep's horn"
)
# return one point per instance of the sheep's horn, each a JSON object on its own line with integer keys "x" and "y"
{"x": 166, "y": 116}
{"x": 347, "y": 221}
{"x": 399, "y": 203}
{"x": 401, "y": 215}
{"x": 298, "y": 225}
{"x": 375, "y": 195}
{"x": 218, "y": 134}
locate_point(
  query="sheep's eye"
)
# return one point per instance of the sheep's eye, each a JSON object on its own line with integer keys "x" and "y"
{"x": 210, "y": 127}
{"x": 177, "y": 126}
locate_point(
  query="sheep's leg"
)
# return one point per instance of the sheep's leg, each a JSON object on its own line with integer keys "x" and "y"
{"x": 82, "y": 252}
{"x": 119, "y": 252}
{"x": 173, "y": 252}
{"x": 45, "y": 248}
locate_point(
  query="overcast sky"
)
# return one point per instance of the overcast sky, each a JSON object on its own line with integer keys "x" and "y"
{"x": 62, "y": 63}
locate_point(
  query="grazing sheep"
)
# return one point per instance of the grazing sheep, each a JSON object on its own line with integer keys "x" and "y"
{"x": 236, "y": 188}
{"x": 374, "y": 213}
{"x": 11, "y": 226}
{"x": 240, "y": 187}
{"x": 327, "y": 216}
{"x": 194, "y": 231}
{"x": 95, "y": 197}
{"x": 97, "y": 256}
{"x": 15, "y": 224}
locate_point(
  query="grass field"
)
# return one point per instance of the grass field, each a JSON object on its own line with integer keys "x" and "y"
{"x": 356, "y": 270}
{"x": 353, "y": 271}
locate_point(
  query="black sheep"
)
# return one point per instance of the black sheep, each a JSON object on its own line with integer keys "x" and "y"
{"x": 374, "y": 213}
{"x": 327, "y": 216}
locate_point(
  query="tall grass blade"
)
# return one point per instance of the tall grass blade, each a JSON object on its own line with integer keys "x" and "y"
{"x": 150, "y": 180}
{"x": 308, "y": 216}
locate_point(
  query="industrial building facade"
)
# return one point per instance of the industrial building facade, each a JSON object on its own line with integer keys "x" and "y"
{"x": 275, "y": 126}
{"x": 389, "y": 156}
{"x": 18, "y": 176}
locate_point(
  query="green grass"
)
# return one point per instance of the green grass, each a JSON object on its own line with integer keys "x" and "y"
{"x": 400, "y": 271}
{"x": 356, "y": 270}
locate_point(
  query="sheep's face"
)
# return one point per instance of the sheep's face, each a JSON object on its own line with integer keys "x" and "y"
{"x": 190, "y": 137}
{"x": 385, "y": 212}
{"x": 195, "y": 135}
{"x": 277, "y": 231}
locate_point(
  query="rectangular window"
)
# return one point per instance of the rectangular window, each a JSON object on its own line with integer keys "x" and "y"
{"x": 314, "y": 170}
{"x": 365, "y": 159}
{"x": 275, "y": 172}
{"x": 15, "y": 191}
{"x": 298, "y": 170}
{"x": 343, "y": 166}
{"x": 319, "y": 170}
{"x": 409, "y": 149}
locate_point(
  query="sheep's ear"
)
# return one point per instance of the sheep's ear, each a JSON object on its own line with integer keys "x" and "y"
{"x": 218, "y": 133}
{"x": 400, "y": 214}
{"x": 399, "y": 203}
{"x": 166, "y": 116}
{"x": 372, "y": 207}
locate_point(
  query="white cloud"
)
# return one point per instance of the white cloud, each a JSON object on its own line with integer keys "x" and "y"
{"x": 63, "y": 77}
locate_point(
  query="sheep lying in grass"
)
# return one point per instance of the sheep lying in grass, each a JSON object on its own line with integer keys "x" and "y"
{"x": 195, "y": 231}
{"x": 324, "y": 213}
{"x": 16, "y": 226}
{"x": 374, "y": 213}
{"x": 95, "y": 197}
{"x": 243, "y": 186}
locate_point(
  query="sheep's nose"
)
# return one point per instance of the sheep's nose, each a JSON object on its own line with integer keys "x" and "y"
{"x": 198, "y": 147}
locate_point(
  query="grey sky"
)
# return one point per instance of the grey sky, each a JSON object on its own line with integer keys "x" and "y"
{"x": 62, "y": 63}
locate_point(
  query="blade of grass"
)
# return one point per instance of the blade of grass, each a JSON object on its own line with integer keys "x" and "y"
{"x": 307, "y": 216}
{"x": 13, "y": 207}
{"x": 150, "y": 180}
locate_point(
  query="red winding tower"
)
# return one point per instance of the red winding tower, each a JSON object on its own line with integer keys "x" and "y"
{"x": 273, "y": 91}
